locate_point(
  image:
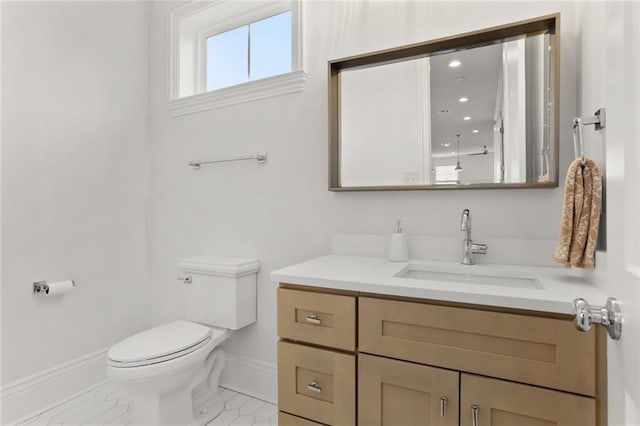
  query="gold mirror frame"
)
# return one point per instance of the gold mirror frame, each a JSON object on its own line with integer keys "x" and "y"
{"x": 545, "y": 24}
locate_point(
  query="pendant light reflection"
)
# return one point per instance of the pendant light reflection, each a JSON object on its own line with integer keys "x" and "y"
{"x": 458, "y": 167}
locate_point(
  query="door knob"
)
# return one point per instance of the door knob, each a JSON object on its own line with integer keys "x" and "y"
{"x": 608, "y": 315}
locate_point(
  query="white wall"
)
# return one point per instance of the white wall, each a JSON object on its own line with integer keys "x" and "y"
{"x": 477, "y": 168}
{"x": 74, "y": 179}
{"x": 381, "y": 124}
{"x": 281, "y": 212}
{"x": 514, "y": 110}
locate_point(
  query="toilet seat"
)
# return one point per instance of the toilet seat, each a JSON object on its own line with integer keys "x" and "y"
{"x": 164, "y": 343}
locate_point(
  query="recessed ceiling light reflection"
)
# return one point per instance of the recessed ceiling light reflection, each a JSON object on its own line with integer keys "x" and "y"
{"x": 467, "y": 118}
{"x": 463, "y": 99}
{"x": 455, "y": 64}
{"x": 476, "y": 130}
{"x": 453, "y": 152}
{"x": 445, "y": 143}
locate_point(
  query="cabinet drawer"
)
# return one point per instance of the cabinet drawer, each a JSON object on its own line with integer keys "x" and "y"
{"x": 500, "y": 403}
{"x": 323, "y": 319}
{"x": 317, "y": 384}
{"x": 392, "y": 392}
{"x": 540, "y": 351}
{"x": 285, "y": 419}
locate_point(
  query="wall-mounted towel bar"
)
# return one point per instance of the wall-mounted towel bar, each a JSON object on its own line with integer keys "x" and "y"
{"x": 599, "y": 120}
{"x": 260, "y": 158}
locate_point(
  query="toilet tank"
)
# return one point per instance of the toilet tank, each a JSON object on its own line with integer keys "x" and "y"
{"x": 221, "y": 291}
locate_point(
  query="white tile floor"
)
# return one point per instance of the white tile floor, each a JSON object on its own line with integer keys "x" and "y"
{"x": 108, "y": 405}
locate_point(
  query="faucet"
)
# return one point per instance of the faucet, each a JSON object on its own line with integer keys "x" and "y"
{"x": 469, "y": 247}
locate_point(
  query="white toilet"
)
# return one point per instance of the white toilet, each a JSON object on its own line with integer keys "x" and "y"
{"x": 172, "y": 371}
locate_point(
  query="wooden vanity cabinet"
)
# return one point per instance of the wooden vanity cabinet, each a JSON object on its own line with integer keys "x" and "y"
{"x": 317, "y": 384}
{"x": 322, "y": 319}
{"x": 316, "y": 358}
{"x": 540, "y": 351}
{"x": 501, "y": 403}
{"x": 394, "y": 393}
{"x": 419, "y": 363}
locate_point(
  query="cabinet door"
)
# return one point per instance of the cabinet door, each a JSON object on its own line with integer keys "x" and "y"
{"x": 397, "y": 393}
{"x": 317, "y": 384}
{"x": 540, "y": 351}
{"x": 496, "y": 402}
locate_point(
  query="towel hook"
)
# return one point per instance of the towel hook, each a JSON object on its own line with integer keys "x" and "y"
{"x": 599, "y": 120}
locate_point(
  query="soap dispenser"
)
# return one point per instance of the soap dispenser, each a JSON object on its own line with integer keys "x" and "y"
{"x": 398, "y": 251}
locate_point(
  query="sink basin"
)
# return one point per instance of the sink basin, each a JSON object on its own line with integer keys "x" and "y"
{"x": 471, "y": 274}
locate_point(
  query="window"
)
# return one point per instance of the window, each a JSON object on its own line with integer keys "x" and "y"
{"x": 447, "y": 174}
{"x": 232, "y": 51}
{"x": 251, "y": 52}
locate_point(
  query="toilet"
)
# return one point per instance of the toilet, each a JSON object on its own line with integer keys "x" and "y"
{"x": 172, "y": 371}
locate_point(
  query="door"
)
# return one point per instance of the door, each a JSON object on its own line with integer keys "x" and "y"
{"x": 610, "y": 68}
{"x": 398, "y": 393}
{"x": 493, "y": 402}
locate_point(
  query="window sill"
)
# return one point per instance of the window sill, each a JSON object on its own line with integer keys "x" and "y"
{"x": 265, "y": 88}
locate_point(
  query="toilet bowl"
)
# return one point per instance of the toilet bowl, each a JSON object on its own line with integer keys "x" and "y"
{"x": 161, "y": 368}
{"x": 172, "y": 371}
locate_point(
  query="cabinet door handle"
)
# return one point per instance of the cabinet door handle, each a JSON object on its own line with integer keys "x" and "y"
{"x": 313, "y": 319}
{"x": 474, "y": 414}
{"x": 314, "y": 387}
{"x": 443, "y": 406}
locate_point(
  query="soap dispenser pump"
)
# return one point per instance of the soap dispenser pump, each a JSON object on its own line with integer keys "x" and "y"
{"x": 398, "y": 251}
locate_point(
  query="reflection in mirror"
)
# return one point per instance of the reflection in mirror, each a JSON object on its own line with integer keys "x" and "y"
{"x": 478, "y": 116}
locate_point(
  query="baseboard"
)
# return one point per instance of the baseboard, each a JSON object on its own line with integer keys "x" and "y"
{"x": 251, "y": 377}
{"x": 41, "y": 390}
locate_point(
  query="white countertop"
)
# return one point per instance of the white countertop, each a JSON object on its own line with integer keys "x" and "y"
{"x": 560, "y": 286}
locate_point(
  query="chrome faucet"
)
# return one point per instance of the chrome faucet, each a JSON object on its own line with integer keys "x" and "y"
{"x": 469, "y": 247}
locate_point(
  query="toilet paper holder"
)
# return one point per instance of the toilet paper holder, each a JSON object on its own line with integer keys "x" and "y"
{"x": 43, "y": 286}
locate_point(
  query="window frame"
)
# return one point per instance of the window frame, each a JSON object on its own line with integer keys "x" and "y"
{"x": 258, "y": 14}
{"x": 189, "y": 63}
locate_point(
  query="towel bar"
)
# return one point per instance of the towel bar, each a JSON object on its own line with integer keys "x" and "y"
{"x": 260, "y": 158}
{"x": 599, "y": 120}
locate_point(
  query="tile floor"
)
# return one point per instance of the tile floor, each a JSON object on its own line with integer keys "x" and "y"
{"x": 106, "y": 404}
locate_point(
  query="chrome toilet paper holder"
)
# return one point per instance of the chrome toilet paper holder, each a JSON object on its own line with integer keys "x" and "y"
{"x": 40, "y": 286}
{"x": 43, "y": 286}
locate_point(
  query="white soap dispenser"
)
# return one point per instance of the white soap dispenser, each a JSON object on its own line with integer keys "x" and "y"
{"x": 398, "y": 251}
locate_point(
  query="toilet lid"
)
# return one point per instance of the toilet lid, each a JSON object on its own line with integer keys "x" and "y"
{"x": 160, "y": 344}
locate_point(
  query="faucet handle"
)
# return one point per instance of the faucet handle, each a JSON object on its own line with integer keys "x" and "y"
{"x": 478, "y": 248}
{"x": 465, "y": 222}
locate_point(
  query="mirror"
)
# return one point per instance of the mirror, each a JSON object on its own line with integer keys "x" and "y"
{"x": 472, "y": 111}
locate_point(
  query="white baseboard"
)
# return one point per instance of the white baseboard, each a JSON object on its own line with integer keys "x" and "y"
{"x": 35, "y": 393}
{"x": 251, "y": 377}
{"x": 41, "y": 391}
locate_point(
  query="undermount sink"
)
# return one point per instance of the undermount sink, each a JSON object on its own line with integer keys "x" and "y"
{"x": 471, "y": 275}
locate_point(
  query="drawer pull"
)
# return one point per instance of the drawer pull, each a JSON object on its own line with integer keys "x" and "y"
{"x": 443, "y": 406}
{"x": 313, "y": 319}
{"x": 314, "y": 387}
{"x": 474, "y": 414}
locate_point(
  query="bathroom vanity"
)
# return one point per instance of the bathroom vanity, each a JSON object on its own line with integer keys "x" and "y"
{"x": 370, "y": 342}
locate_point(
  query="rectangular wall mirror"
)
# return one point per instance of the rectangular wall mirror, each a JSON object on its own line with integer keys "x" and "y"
{"x": 476, "y": 110}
